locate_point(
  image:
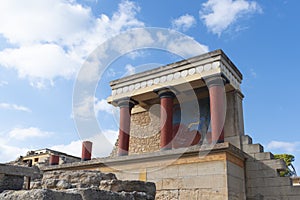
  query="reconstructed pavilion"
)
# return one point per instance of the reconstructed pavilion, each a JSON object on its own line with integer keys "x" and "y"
{"x": 201, "y": 103}
{"x": 181, "y": 127}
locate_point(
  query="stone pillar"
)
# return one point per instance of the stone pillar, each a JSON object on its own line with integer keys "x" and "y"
{"x": 28, "y": 178}
{"x": 217, "y": 96}
{"x": 54, "y": 160}
{"x": 86, "y": 152}
{"x": 166, "y": 118}
{"x": 124, "y": 128}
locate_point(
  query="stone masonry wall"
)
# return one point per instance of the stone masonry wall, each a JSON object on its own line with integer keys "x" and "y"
{"x": 10, "y": 182}
{"x": 144, "y": 134}
{"x": 83, "y": 185}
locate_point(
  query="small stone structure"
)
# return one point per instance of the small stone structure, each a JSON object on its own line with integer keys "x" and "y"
{"x": 11, "y": 182}
{"x": 83, "y": 185}
{"x": 12, "y": 177}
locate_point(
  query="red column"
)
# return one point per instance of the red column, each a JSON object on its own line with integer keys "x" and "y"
{"x": 217, "y": 109}
{"x": 86, "y": 152}
{"x": 166, "y": 119}
{"x": 54, "y": 160}
{"x": 124, "y": 129}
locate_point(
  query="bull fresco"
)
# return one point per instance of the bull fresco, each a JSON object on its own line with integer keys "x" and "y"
{"x": 189, "y": 127}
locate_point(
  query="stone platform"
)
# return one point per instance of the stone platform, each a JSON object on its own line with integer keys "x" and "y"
{"x": 201, "y": 172}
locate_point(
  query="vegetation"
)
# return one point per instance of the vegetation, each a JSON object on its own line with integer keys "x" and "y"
{"x": 288, "y": 159}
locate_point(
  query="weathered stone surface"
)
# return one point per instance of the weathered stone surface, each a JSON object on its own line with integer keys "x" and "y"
{"x": 10, "y": 182}
{"x": 39, "y": 194}
{"x": 74, "y": 179}
{"x": 83, "y": 185}
{"x": 72, "y": 194}
{"x": 97, "y": 194}
{"x": 167, "y": 194}
{"x": 33, "y": 172}
{"x": 129, "y": 186}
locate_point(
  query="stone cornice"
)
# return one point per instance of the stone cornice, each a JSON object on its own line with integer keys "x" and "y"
{"x": 196, "y": 68}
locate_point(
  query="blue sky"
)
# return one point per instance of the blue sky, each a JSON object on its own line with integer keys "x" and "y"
{"x": 44, "y": 43}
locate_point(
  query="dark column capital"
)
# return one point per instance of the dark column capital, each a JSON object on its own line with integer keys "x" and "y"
{"x": 164, "y": 93}
{"x": 215, "y": 80}
{"x": 126, "y": 102}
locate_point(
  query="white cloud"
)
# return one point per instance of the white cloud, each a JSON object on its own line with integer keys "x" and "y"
{"x": 185, "y": 47}
{"x": 184, "y": 22}
{"x": 130, "y": 70}
{"x": 9, "y": 152}
{"x": 218, "y": 15}
{"x": 8, "y": 106}
{"x": 253, "y": 73}
{"x": 56, "y": 43}
{"x": 3, "y": 83}
{"x": 40, "y": 60}
{"x": 91, "y": 106}
{"x": 48, "y": 20}
{"x": 103, "y": 144}
{"x": 73, "y": 148}
{"x": 285, "y": 147}
{"x": 25, "y": 133}
{"x": 102, "y": 105}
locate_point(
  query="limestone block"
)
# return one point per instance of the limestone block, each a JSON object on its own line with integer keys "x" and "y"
{"x": 208, "y": 194}
{"x": 96, "y": 194}
{"x": 256, "y": 197}
{"x": 234, "y": 140}
{"x": 154, "y": 174}
{"x": 170, "y": 171}
{"x": 269, "y": 191}
{"x": 262, "y": 173}
{"x": 253, "y": 165}
{"x": 205, "y": 181}
{"x": 246, "y": 139}
{"x": 69, "y": 179}
{"x": 39, "y": 194}
{"x": 278, "y": 181}
{"x": 167, "y": 195}
{"x": 292, "y": 197}
{"x": 277, "y": 164}
{"x": 196, "y": 182}
{"x": 236, "y": 185}
{"x": 188, "y": 194}
{"x": 234, "y": 195}
{"x": 255, "y": 182}
{"x": 128, "y": 186}
{"x": 188, "y": 170}
{"x": 212, "y": 167}
{"x": 235, "y": 170}
{"x": 127, "y": 175}
{"x": 264, "y": 156}
{"x": 172, "y": 183}
{"x": 295, "y": 190}
{"x": 253, "y": 148}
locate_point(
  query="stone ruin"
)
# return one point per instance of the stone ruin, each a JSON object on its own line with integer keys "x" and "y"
{"x": 80, "y": 185}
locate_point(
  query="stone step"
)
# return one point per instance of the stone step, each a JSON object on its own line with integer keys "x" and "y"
{"x": 276, "y": 164}
{"x": 246, "y": 139}
{"x": 263, "y": 156}
{"x": 253, "y": 148}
